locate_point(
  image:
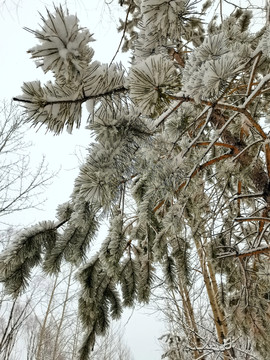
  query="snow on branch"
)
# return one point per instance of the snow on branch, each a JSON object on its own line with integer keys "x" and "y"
{"x": 63, "y": 45}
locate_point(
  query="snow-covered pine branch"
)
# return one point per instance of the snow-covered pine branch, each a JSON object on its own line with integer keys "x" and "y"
{"x": 178, "y": 141}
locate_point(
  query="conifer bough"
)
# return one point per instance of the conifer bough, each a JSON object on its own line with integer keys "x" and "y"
{"x": 180, "y": 165}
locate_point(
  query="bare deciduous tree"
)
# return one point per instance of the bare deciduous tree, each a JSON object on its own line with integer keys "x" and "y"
{"x": 21, "y": 188}
{"x": 22, "y": 183}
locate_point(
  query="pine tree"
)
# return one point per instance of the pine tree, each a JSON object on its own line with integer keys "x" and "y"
{"x": 180, "y": 165}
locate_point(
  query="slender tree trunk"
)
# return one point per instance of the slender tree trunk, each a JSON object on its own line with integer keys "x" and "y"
{"x": 218, "y": 320}
{"x": 43, "y": 328}
{"x": 11, "y": 330}
{"x": 62, "y": 317}
{"x": 5, "y": 334}
{"x": 190, "y": 318}
{"x": 215, "y": 289}
{"x": 76, "y": 339}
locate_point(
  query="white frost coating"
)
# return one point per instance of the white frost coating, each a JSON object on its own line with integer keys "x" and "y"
{"x": 264, "y": 44}
{"x": 63, "y": 53}
{"x": 258, "y": 88}
{"x": 210, "y": 68}
{"x": 164, "y": 115}
{"x": 63, "y": 45}
{"x": 148, "y": 79}
{"x": 101, "y": 78}
{"x": 90, "y": 104}
{"x": 55, "y": 110}
{"x": 164, "y": 17}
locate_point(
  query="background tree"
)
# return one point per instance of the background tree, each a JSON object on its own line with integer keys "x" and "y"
{"x": 20, "y": 190}
{"x": 21, "y": 185}
{"x": 180, "y": 165}
{"x": 111, "y": 346}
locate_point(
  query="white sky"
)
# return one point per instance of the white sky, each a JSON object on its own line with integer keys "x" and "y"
{"x": 142, "y": 330}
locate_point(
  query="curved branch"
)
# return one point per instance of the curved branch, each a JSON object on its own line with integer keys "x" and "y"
{"x": 124, "y": 33}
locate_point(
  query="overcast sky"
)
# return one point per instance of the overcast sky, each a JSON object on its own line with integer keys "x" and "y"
{"x": 142, "y": 330}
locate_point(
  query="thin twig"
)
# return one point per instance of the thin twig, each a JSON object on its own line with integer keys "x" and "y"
{"x": 250, "y": 83}
{"x": 123, "y": 35}
{"x": 245, "y": 253}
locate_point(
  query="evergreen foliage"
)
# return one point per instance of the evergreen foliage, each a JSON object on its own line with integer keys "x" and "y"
{"x": 180, "y": 165}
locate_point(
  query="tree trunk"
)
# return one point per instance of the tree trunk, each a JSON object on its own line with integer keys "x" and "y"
{"x": 43, "y": 328}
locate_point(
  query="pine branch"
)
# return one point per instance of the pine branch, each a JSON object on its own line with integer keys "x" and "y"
{"x": 224, "y": 106}
{"x": 193, "y": 174}
{"x": 81, "y": 100}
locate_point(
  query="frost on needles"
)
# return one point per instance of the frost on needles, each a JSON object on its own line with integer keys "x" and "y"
{"x": 180, "y": 165}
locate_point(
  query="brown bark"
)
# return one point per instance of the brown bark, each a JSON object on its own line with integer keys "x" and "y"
{"x": 219, "y": 320}
{"x": 258, "y": 176}
{"x": 190, "y": 318}
{"x": 215, "y": 289}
